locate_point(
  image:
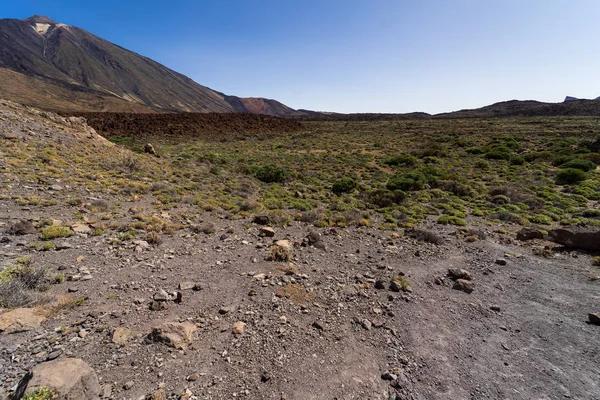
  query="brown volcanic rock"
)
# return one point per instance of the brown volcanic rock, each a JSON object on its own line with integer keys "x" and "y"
{"x": 582, "y": 239}
{"x": 71, "y": 378}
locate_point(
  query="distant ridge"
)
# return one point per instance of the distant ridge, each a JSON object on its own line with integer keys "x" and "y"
{"x": 67, "y": 68}
{"x": 570, "y": 98}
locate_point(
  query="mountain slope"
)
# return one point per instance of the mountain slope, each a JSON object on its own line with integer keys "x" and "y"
{"x": 76, "y": 60}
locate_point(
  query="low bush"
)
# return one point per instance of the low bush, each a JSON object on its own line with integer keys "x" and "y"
{"x": 569, "y": 176}
{"x": 270, "y": 173}
{"x": 56, "y": 231}
{"x": 344, "y": 185}
{"x": 401, "y": 159}
{"x": 583, "y": 165}
{"x": 382, "y": 198}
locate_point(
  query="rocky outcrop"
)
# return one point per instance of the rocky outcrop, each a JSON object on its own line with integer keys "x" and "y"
{"x": 583, "y": 239}
{"x": 70, "y": 378}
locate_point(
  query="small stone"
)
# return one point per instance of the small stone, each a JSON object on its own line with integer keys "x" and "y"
{"x": 193, "y": 377}
{"x": 53, "y": 356}
{"x": 261, "y": 220}
{"x": 318, "y": 325}
{"x": 22, "y": 228}
{"x": 86, "y": 277}
{"x": 82, "y": 333}
{"x": 72, "y": 290}
{"x": 395, "y": 286}
{"x": 173, "y": 334}
{"x": 158, "y": 305}
{"x": 121, "y": 336}
{"x": 464, "y": 285}
{"x": 265, "y": 376}
{"x": 106, "y": 391}
{"x": 161, "y": 295}
{"x": 594, "y": 318}
{"x": 226, "y": 310}
{"x": 238, "y": 328}
{"x": 495, "y": 308}
{"x": 458, "y": 273}
{"x": 379, "y": 284}
{"x": 501, "y": 261}
{"x": 267, "y": 231}
{"x": 158, "y": 395}
{"x": 186, "y": 285}
{"x": 81, "y": 228}
{"x": 128, "y": 385}
{"x": 366, "y": 324}
{"x": 388, "y": 376}
{"x": 197, "y": 287}
{"x": 63, "y": 246}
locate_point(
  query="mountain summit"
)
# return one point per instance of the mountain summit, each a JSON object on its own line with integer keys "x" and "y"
{"x": 51, "y": 65}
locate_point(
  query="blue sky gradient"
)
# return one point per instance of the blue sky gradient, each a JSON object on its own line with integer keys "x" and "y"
{"x": 355, "y": 55}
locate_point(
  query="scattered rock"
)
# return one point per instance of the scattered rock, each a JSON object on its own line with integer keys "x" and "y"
{"x": 106, "y": 391}
{"x": 173, "y": 334}
{"x": 495, "y": 308}
{"x": 193, "y": 377}
{"x": 81, "y": 228}
{"x": 594, "y": 318}
{"x": 313, "y": 238}
{"x": 366, "y": 324}
{"x": 238, "y": 328}
{"x": 267, "y": 231}
{"x": 464, "y": 285}
{"x": 395, "y": 286}
{"x": 71, "y": 378}
{"x": 148, "y": 148}
{"x": 121, "y": 336}
{"x": 158, "y": 395}
{"x": 501, "y": 261}
{"x": 21, "y": 320}
{"x": 261, "y": 220}
{"x": 527, "y": 234}
{"x": 379, "y": 284}
{"x": 63, "y": 246}
{"x": 226, "y": 310}
{"x": 457, "y": 273}
{"x": 281, "y": 250}
{"x": 580, "y": 239}
{"x": 22, "y": 228}
{"x": 128, "y": 385}
{"x": 186, "y": 285}
{"x": 318, "y": 325}
{"x": 161, "y": 295}
{"x": 158, "y": 305}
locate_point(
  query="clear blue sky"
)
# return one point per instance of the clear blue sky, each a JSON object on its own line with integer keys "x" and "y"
{"x": 357, "y": 55}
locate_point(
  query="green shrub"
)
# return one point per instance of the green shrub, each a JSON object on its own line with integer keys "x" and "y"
{"x": 517, "y": 160}
{"x": 401, "y": 159}
{"x": 583, "y": 165}
{"x": 569, "y": 176}
{"x": 499, "y": 153}
{"x": 41, "y": 393}
{"x": 451, "y": 220}
{"x": 56, "y": 231}
{"x": 343, "y": 185}
{"x": 270, "y": 173}
{"x": 413, "y": 180}
{"x": 475, "y": 150}
{"x": 382, "y": 198}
